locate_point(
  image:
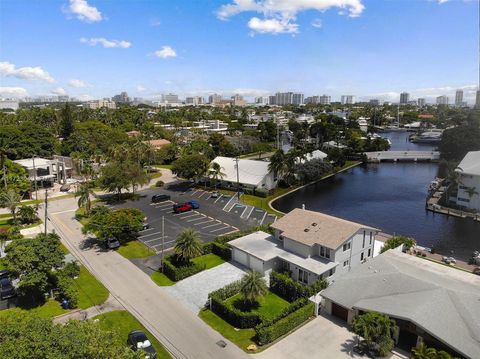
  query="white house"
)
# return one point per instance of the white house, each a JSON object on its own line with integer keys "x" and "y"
{"x": 251, "y": 174}
{"x": 45, "y": 171}
{"x": 311, "y": 245}
{"x": 314, "y": 155}
{"x": 468, "y": 194}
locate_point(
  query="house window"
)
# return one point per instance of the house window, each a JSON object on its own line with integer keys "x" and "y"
{"x": 369, "y": 252}
{"x": 302, "y": 276}
{"x": 324, "y": 252}
{"x": 345, "y": 263}
{"x": 347, "y": 246}
{"x": 371, "y": 237}
{"x": 363, "y": 243}
{"x": 361, "y": 256}
{"x": 331, "y": 272}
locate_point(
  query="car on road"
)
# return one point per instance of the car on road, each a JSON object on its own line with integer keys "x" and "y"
{"x": 112, "y": 243}
{"x": 156, "y": 198}
{"x": 194, "y": 204}
{"x": 137, "y": 340}
{"x": 7, "y": 290}
{"x": 180, "y": 208}
{"x": 215, "y": 194}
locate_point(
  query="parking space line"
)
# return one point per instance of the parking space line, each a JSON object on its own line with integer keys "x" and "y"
{"x": 218, "y": 198}
{"x": 145, "y": 230}
{"x": 264, "y": 216}
{"x": 191, "y": 215}
{"x": 250, "y": 213}
{"x": 199, "y": 223}
{"x": 219, "y": 229}
{"x": 196, "y": 219}
{"x": 154, "y": 239}
{"x": 148, "y": 235}
{"x": 195, "y": 192}
{"x": 213, "y": 225}
{"x": 166, "y": 209}
{"x": 204, "y": 192}
{"x": 159, "y": 245}
{"x": 224, "y": 234}
{"x": 228, "y": 203}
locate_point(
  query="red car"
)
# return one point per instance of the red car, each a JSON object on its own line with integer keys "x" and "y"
{"x": 180, "y": 208}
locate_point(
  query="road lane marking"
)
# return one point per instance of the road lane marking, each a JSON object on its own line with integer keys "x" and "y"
{"x": 67, "y": 211}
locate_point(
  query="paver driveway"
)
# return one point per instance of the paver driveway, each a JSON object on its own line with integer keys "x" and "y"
{"x": 193, "y": 291}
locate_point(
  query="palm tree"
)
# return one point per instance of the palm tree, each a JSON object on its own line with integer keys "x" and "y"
{"x": 253, "y": 286}
{"x": 27, "y": 214}
{"x": 423, "y": 352}
{"x": 216, "y": 173}
{"x": 10, "y": 199}
{"x": 377, "y": 330}
{"x": 188, "y": 245}
{"x": 84, "y": 193}
{"x": 471, "y": 191}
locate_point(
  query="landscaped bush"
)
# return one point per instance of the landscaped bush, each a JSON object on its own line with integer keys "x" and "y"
{"x": 207, "y": 248}
{"x": 176, "y": 270}
{"x": 221, "y": 250}
{"x": 67, "y": 290}
{"x": 159, "y": 183}
{"x": 268, "y": 333}
{"x": 260, "y": 192}
{"x": 285, "y": 312}
{"x": 288, "y": 289}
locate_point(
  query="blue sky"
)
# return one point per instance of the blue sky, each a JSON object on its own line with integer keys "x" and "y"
{"x": 368, "y": 48}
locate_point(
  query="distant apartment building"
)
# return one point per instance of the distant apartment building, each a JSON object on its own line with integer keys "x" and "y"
{"x": 347, "y": 99}
{"x": 63, "y": 98}
{"x": 238, "y": 100}
{"x": 263, "y": 100}
{"x": 105, "y": 103}
{"x": 477, "y": 99}
{"x": 288, "y": 98}
{"x": 442, "y": 100}
{"x": 214, "y": 98}
{"x": 272, "y": 100}
{"x": 312, "y": 100}
{"x": 459, "y": 98}
{"x": 374, "y": 102}
{"x": 325, "y": 100}
{"x": 7, "y": 104}
{"x": 404, "y": 98}
{"x": 194, "y": 101}
{"x": 170, "y": 99}
{"x": 421, "y": 102}
{"x": 122, "y": 98}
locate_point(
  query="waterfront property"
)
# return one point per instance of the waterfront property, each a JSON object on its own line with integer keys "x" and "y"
{"x": 430, "y": 302}
{"x": 311, "y": 245}
{"x": 250, "y": 174}
{"x": 468, "y": 194}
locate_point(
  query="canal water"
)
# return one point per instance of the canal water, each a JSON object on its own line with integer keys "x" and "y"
{"x": 391, "y": 197}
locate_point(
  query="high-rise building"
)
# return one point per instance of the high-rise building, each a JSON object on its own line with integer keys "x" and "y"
{"x": 272, "y": 100}
{"x": 374, "y": 102}
{"x": 297, "y": 98}
{"x": 263, "y": 100}
{"x": 442, "y": 100}
{"x": 288, "y": 98}
{"x": 214, "y": 98}
{"x": 459, "y": 98}
{"x": 347, "y": 99}
{"x": 122, "y": 98}
{"x": 404, "y": 98}
{"x": 312, "y": 100}
{"x": 325, "y": 100}
{"x": 238, "y": 100}
{"x": 170, "y": 98}
{"x": 194, "y": 101}
{"x": 477, "y": 99}
{"x": 421, "y": 102}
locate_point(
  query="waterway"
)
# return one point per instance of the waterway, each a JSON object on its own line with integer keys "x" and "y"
{"x": 391, "y": 197}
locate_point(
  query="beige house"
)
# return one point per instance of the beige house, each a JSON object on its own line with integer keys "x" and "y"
{"x": 158, "y": 144}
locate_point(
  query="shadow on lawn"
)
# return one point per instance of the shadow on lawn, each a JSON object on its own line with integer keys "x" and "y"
{"x": 112, "y": 199}
{"x": 245, "y": 306}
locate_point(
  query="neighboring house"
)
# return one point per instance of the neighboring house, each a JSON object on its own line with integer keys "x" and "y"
{"x": 158, "y": 144}
{"x": 311, "y": 245}
{"x": 430, "y": 302}
{"x": 314, "y": 155}
{"x": 134, "y": 134}
{"x": 251, "y": 174}
{"x": 45, "y": 172}
{"x": 468, "y": 194}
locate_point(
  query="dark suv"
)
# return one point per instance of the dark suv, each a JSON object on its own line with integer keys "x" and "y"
{"x": 7, "y": 290}
{"x": 138, "y": 340}
{"x": 160, "y": 198}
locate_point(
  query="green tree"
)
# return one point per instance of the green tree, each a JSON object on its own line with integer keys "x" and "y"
{"x": 396, "y": 241}
{"x": 191, "y": 166}
{"x": 14, "y": 176}
{"x": 85, "y": 191}
{"x": 113, "y": 177}
{"x": 457, "y": 141}
{"x": 10, "y": 199}
{"x": 424, "y": 352}
{"x": 216, "y": 173}
{"x": 188, "y": 245}
{"x": 66, "y": 122}
{"x": 377, "y": 330}
{"x": 253, "y": 285}
{"x": 136, "y": 175}
{"x": 27, "y": 214}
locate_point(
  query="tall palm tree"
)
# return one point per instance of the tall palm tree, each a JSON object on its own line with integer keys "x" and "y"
{"x": 10, "y": 199}
{"x": 253, "y": 286}
{"x": 471, "y": 191}
{"x": 216, "y": 173}
{"x": 188, "y": 244}
{"x": 84, "y": 192}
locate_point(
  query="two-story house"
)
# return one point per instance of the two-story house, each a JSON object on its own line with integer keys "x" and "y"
{"x": 311, "y": 245}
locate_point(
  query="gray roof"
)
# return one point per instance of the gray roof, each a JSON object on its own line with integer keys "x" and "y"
{"x": 250, "y": 172}
{"x": 264, "y": 247}
{"x": 444, "y": 301}
{"x": 470, "y": 164}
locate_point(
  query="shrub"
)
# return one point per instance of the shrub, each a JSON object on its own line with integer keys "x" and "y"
{"x": 159, "y": 183}
{"x": 261, "y": 192}
{"x": 268, "y": 333}
{"x": 221, "y": 250}
{"x": 68, "y": 290}
{"x": 396, "y": 241}
{"x": 177, "y": 270}
{"x": 71, "y": 270}
{"x": 288, "y": 289}
{"x": 207, "y": 248}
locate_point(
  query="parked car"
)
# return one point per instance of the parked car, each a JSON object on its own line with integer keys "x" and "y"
{"x": 138, "y": 340}
{"x": 194, "y": 204}
{"x": 112, "y": 243}
{"x": 215, "y": 194}
{"x": 4, "y": 273}
{"x": 7, "y": 290}
{"x": 160, "y": 198}
{"x": 180, "y": 208}
{"x": 449, "y": 260}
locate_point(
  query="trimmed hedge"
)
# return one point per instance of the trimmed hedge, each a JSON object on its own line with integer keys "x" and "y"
{"x": 290, "y": 290}
{"x": 261, "y": 192}
{"x": 221, "y": 250}
{"x": 267, "y": 334}
{"x": 181, "y": 272}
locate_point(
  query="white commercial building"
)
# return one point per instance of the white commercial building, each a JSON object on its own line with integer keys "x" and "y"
{"x": 311, "y": 245}
{"x": 468, "y": 194}
{"x": 105, "y": 103}
{"x": 8, "y": 104}
{"x": 45, "y": 172}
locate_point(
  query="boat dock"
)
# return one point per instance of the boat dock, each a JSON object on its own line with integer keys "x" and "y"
{"x": 395, "y": 156}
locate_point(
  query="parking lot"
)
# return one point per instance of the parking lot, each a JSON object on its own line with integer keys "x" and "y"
{"x": 215, "y": 217}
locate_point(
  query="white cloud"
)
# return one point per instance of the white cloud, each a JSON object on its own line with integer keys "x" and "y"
{"x": 59, "y": 91}
{"x": 85, "y": 97}
{"x": 317, "y": 23}
{"x": 25, "y": 73}
{"x": 279, "y": 15}
{"x": 77, "y": 83}
{"x": 83, "y": 11}
{"x": 165, "y": 52}
{"x": 442, "y": 1}
{"x": 13, "y": 91}
{"x": 155, "y": 22}
{"x": 250, "y": 92}
{"x": 140, "y": 88}
{"x": 94, "y": 41}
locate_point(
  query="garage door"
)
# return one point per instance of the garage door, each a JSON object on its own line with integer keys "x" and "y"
{"x": 339, "y": 311}
{"x": 240, "y": 257}
{"x": 256, "y": 264}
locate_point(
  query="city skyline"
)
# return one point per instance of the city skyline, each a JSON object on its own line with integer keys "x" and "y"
{"x": 84, "y": 49}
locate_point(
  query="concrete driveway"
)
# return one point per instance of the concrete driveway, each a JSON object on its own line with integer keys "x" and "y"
{"x": 323, "y": 337}
{"x": 193, "y": 291}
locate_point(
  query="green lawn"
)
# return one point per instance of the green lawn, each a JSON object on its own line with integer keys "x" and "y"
{"x": 135, "y": 249}
{"x": 262, "y": 203}
{"x": 161, "y": 279}
{"x": 51, "y": 308}
{"x": 5, "y": 215}
{"x": 269, "y": 305}
{"x": 168, "y": 167}
{"x": 241, "y": 337}
{"x": 210, "y": 260}
{"x": 90, "y": 291}
{"x": 122, "y": 322}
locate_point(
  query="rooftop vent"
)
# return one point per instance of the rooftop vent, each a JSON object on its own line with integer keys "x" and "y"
{"x": 314, "y": 224}
{"x": 306, "y": 230}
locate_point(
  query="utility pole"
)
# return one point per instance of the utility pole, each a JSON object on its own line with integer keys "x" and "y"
{"x": 35, "y": 177}
{"x": 238, "y": 179}
{"x": 163, "y": 241}
{"x": 278, "y": 134}
{"x": 46, "y": 210}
